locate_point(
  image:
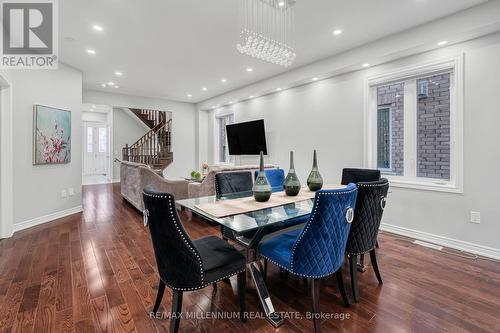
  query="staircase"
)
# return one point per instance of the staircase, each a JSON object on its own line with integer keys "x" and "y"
{"x": 154, "y": 147}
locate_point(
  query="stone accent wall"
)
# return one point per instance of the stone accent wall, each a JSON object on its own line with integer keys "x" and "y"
{"x": 392, "y": 96}
{"x": 433, "y": 129}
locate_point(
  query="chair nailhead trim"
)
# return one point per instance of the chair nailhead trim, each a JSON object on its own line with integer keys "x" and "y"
{"x": 206, "y": 284}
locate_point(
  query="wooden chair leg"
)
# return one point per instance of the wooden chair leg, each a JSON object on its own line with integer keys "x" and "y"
{"x": 159, "y": 296}
{"x": 315, "y": 283}
{"x": 340, "y": 283}
{"x": 373, "y": 257}
{"x": 353, "y": 260}
{"x": 242, "y": 282}
{"x": 176, "y": 311}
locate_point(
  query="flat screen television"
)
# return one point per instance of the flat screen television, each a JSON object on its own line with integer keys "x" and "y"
{"x": 248, "y": 138}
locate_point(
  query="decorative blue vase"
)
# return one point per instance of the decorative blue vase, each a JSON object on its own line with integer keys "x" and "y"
{"x": 261, "y": 188}
{"x": 292, "y": 183}
{"x": 315, "y": 181}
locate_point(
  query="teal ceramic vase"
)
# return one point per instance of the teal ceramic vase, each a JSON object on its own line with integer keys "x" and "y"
{"x": 292, "y": 183}
{"x": 315, "y": 181}
{"x": 261, "y": 188}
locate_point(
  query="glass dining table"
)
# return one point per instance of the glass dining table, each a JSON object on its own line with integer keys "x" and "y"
{"x": 249, "y": 229}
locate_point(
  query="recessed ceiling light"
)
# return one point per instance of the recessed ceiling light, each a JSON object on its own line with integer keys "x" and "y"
{"x": 315, "y": 79}
{"x": 97, "y": 27}
{"x": 442, "y": 43}
{"x": 223, "y": 80}
{"x": 366, "y": 65}
{"x": 204, "y": 88}
{"x": 249, "y": 69}
{"x": 91, "y": 51}
{"x": 281, "y": 3}
{"x": 103, "y": 85}
{"x": 278, "y": 89}
{"x": 337, "y": 32}
{"x": 251, "y": 96}
{"x": 230, "y": 102}
{"x": 118, "y": 73}
{"x": 111, "y": 83}
{"x": 189, "y": 95}
{"x": 117, "y": 87}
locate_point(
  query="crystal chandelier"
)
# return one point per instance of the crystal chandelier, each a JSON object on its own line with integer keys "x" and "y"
{"x": 266, "y": 30}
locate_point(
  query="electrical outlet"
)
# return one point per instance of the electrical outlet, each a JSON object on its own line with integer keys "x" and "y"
{"x": 475, "y": 217}
{"x": 64, "y": 194}
{"x": 71, "y": 191}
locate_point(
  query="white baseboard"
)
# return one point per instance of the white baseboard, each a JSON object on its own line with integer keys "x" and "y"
{"x": 47, "y": 218}
{"x": 456, "y": 244}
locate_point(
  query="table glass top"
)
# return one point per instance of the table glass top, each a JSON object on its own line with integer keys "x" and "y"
{"x": 242, "y": 223}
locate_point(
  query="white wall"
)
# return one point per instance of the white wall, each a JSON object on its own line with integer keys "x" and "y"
{"x": 183, "y": 122}
{"x": 125, "y": 131}
{"x": 37, "y": 189}
{"x": 328, "y": 116}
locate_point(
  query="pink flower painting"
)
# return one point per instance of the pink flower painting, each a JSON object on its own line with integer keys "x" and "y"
{"x": 52, "y": 135}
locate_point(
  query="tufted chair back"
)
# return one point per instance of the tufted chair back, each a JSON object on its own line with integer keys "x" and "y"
{"x": 319, "y": 250}
{"x": 350, "y": 175}
{"x": 232, "y": 182}
{"x": 178, "y": 260}
{"x": 367, "y": 216}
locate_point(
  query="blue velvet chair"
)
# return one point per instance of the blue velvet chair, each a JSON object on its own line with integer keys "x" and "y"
{"x": 276, "y": 177}
{"x": 317, "y": 250}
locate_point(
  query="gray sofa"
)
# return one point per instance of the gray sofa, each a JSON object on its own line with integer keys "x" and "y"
{"x": 207, "y": 186}
{"x": 135, "y": 176}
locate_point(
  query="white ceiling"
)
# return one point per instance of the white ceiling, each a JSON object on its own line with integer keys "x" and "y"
{"x": 169, "y": 48}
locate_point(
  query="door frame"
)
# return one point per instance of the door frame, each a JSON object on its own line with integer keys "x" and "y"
{"x": 6, "y": 165}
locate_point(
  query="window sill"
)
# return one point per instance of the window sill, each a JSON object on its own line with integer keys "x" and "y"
{"x": 424, "y": 185}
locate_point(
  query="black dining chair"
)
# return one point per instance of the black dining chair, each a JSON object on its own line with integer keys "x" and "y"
{"x": 362, "y": 239}
{"x": 229, "y": 183}
{"x": 185, "y": 264}
{"x": 356, "y": 175}
{"x": 233, "y": 182}
{"x": 353, "y": 175}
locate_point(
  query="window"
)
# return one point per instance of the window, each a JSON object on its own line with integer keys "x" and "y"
{"x": 414, "y": 119}
{"x": 223, "y": 148}
{"x": 89, "y": 139}
{"x": 103, "y": 140}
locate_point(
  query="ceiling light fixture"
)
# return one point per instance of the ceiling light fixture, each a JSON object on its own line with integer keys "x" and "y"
{"x": 103, "y": 85}
{"x": 366, "y": 65}
{"x": 278, "y": 89}
{"x": 97, "y": 28}
{"x": 111, "y": 83}
{"x": 249, "y": 69}
{"x": 116, "y": 87}
{"x": 442, "y": 43}
{"x": 251, "y": 96}
{"x": 91, "y": 51}
{"x": 337, "y": 32}
{"x": 315, "y": 79}
{"x": 204, "y": 88}
{"x": 223, "y": 80}
{"x": 118, "y": 73}
{"x": 266, "y": 30}
{"x": 189, "y": 95}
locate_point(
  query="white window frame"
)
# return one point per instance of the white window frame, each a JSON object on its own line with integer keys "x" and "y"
{"x": 218, "y": 121}
{"x": 408, "y": 75}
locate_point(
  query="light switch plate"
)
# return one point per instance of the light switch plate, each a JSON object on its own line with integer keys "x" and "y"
{"x": 64, "y": 194}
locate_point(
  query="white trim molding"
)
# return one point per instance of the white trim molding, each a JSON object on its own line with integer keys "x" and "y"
{"x": 408, "y": 74}
{"x": 481, "y": 250}
{"x": 47, "y": 218}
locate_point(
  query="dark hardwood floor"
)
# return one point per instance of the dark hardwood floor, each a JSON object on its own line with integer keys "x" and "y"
{"x": 96, "y": 272}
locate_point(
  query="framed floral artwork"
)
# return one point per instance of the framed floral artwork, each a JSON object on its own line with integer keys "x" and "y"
{"x": 52, "y": 135}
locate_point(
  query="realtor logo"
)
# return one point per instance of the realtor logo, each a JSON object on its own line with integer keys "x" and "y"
{"x": 29, "y": 34}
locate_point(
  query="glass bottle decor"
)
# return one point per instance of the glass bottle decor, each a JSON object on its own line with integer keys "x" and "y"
{"x": 261, "y": 188}
{"x": 315, "y": 181}
{"x": 292, "y": 183}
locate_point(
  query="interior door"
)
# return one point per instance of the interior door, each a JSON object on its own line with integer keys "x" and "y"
{"x": 96, "y": 149}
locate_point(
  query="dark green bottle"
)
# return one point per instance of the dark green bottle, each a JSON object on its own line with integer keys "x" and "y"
{"x": 292, "y": 183}
{"x": 315, "y": 181}
{"x": 261, "y": 188}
